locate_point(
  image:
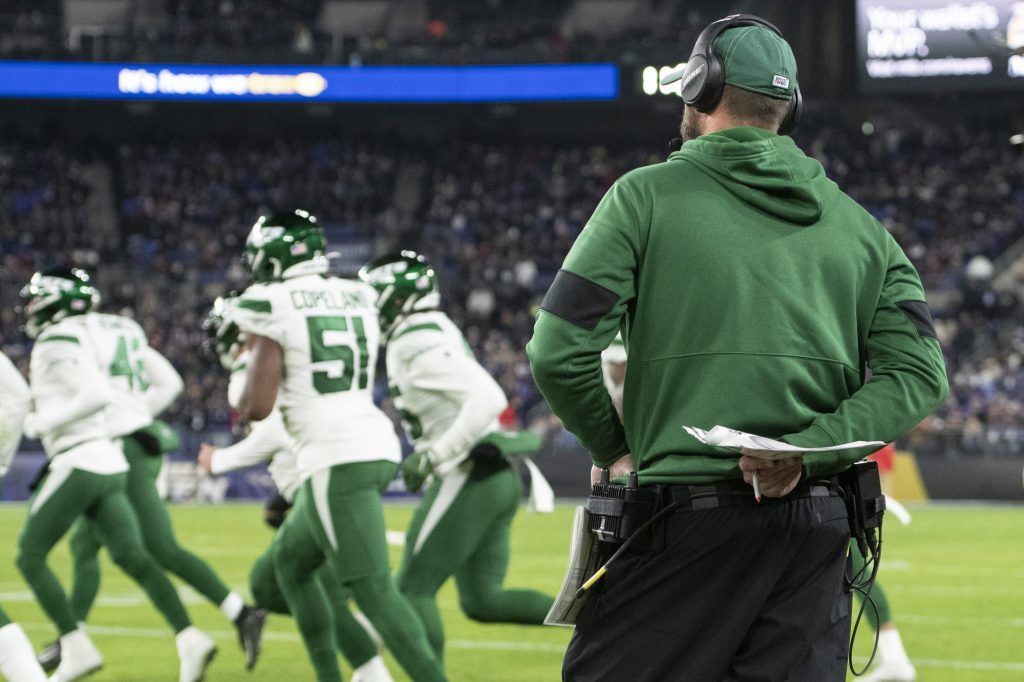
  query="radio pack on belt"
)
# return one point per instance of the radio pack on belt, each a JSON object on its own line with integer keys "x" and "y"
{"x": 616, "y": 510}
{"x": 865, "y": 503}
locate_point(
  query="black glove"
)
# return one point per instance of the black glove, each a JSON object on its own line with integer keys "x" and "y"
{"x": 487, "y": 460}
{"x": 275, "y": 510}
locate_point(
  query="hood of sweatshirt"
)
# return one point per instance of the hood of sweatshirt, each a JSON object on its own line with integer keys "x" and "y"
{"x": 765, "y": 170}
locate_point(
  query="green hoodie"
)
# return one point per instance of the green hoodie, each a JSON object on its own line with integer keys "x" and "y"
{"x": 751, "y": 293}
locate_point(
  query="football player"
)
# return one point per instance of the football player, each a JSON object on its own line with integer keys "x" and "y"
{"x": 268, "y": 441}
{"x": 313, "y": 340}
{"x": 71, "y": 392}
{"x": 450, "y": 406}
{"x": 144, "y": 384}
{"x": 17, "y": 660}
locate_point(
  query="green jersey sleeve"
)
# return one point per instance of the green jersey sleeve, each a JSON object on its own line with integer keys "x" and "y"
{"x": 579, "y": 318}
{"x": 908, "y": 375}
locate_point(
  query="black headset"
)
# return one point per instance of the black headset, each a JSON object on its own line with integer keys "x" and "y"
{"x": 704, "y": 78}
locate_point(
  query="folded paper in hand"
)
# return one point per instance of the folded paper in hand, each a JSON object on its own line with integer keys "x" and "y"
{"x": 768, "y": 448}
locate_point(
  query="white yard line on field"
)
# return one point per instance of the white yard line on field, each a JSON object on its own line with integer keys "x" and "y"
{"x": 157, "y": 633}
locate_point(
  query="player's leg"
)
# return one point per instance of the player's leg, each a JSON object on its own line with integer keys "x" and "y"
{"x": 120, "y": 533}
{"x": 85, "y": 558}
{"x": 427, "y": 564}
{"x": 85, "y": 583}
{"x": 64, "y": 495}
{"x": 162, "y": 544}
{"x": 17, "y": 659}
{"x": 263, "y": 584}
{"x": 296, "y": 558}
{"x": 480, "y": 579}
{"x": 893, "y": 662}
{"x": 351, "y": 639}
{"x": 349, "y": 525}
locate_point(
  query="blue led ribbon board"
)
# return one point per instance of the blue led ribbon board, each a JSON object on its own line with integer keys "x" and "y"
{"x": 269, "y": 83}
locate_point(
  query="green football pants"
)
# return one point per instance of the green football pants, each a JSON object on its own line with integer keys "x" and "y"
{"x": 461, "y": 529}
{"x": 338, "y": 522}
{"x": 349, "y": 636}
{"x": 883, "y": 614}
{"x": 157, "y": 534}
{"x": 64, "y": 496}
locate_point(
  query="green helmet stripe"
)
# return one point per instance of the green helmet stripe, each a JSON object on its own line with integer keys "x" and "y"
{"x": 255, "y": 305}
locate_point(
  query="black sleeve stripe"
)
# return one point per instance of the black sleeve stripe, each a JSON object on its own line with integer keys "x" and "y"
{"x": 577, "y": 300}
{"x": 917, "y": 312}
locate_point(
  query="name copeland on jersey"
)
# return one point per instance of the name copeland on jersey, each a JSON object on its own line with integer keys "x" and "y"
{"x": 329, "y": 332}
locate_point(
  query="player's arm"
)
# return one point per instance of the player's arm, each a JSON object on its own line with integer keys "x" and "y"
{"x": 15, "y": 402}
{"x": 908, "y": 374}
{"x": 263, "y": 378}
{"x": 580, "y": 316}
{"x": 67, "y": 367}
{"x": 266, "y": 438}
{"x": 459, "y": 377}
{"x": 165, "y": 384}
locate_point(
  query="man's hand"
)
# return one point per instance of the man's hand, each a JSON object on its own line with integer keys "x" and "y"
{"x": 621, "y": 467}
{"x": 206, "y": 457}
{"x": 415, "y": 468}
{"x": 776, "y": 478}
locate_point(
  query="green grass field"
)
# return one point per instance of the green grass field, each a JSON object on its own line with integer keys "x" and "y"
{"x": 954, "y": 578}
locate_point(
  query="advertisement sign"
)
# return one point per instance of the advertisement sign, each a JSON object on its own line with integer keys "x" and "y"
{"x": 266, "y": 83}
{"x": 939, "y": 45}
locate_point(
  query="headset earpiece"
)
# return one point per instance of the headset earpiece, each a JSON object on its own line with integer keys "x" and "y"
{"x": 792, "y": 117}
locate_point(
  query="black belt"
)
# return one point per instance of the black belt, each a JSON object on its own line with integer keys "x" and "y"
{"x": 738, "y": 493}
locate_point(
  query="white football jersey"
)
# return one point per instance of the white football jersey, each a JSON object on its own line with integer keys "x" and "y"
{"x": 63, "y": 374}
{"x": 120, "y": 346}
{"x": 447, "y": 401}
{"x": 267, "y": 440}
{"x": 329, "y": 331}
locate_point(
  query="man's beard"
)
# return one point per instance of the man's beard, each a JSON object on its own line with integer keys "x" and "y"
{"x": 691, "y": 128}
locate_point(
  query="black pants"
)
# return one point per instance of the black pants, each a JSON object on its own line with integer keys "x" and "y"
{"x": 734, "y": 593}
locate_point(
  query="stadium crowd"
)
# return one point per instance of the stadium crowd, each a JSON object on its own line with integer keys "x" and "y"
{"x": 293, "y": 31}
{"x": 497, "y": 220}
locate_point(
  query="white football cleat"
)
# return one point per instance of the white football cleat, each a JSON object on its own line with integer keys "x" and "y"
{"x": 78, "y": 657}
{"x": 373, "y": 670}
{"x": 891, "y": 671}
{"x": 195, "y": 651}
{"x": 17, "y": 659}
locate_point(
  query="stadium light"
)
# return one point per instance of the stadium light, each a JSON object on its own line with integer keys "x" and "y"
{"x": 651, "y": 80}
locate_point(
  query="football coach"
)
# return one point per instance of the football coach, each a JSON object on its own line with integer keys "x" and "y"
{"x": 752, "y": 293}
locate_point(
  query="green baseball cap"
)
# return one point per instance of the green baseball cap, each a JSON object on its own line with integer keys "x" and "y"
{"x": 754, "y": 58}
